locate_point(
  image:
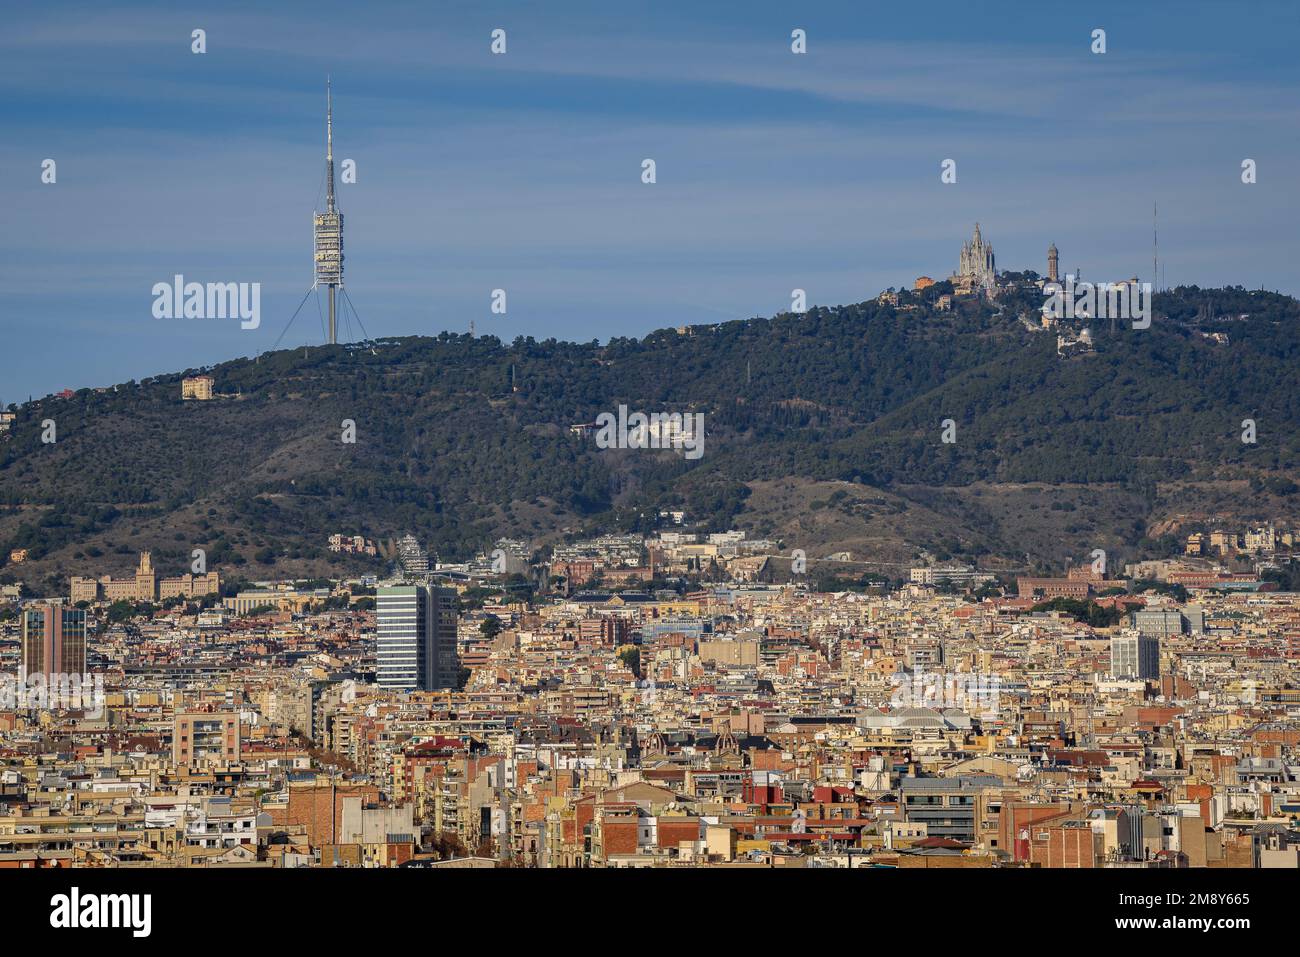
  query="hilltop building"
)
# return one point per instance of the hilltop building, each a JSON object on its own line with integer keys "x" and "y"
{"x": 977, "y": 267}
{"x": 144, "y": 586}
{"x": 412, "y": 558}
{"x": 352, "y": 545}
{"x": 197, "y": 387}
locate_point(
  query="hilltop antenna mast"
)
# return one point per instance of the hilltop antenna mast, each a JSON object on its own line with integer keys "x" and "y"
{"x": 329, "y": 224}
{"x": 1155, "y": 247}
{"x": 327, "y": 229}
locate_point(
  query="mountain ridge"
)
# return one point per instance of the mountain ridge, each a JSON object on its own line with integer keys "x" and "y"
{"x": 462, "y": 440}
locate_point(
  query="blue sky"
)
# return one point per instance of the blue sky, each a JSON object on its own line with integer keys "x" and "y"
{"x": 522, "y": 171}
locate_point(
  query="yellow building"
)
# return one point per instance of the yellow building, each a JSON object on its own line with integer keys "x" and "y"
{"x": 144, "y": 586}
{"x": 290, "y": 600}
{"x": 197, "y": 387}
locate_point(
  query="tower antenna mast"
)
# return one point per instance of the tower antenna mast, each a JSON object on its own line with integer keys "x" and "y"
{"x": 1155, "y": 247}
{"x": 329, "y": 225}
{"x": 328, "y": 234}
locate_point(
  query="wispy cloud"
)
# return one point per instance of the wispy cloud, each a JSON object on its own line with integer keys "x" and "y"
{"x": 775, "y": 170}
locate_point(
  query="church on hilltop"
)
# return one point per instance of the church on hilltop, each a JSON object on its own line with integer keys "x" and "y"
{"x": 977, "y": 268}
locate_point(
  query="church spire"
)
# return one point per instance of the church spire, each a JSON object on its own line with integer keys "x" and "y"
{"x": 976, "y": 263}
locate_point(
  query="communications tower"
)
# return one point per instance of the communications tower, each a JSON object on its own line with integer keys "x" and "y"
{"x": 329, "y": 226}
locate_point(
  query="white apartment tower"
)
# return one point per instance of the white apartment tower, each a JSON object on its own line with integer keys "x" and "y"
{"x": 1135, "y": 655}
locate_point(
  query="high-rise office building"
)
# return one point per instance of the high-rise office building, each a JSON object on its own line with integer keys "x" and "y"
{"x": 416, "y": 638}
{"x": 1135, "y": 656}
{"x": 402, "y": 623}
{"x": 54, "y": 641}
{"x": 444, "y": 601}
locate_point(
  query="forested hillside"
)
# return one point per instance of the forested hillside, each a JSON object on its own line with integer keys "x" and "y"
{"x": 462, "y": 440}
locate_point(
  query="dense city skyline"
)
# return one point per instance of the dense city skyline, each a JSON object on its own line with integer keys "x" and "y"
{"x": 751, "y": 437}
